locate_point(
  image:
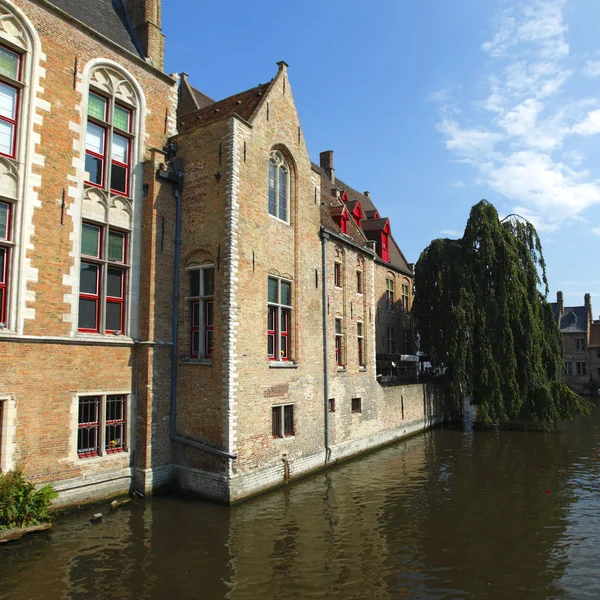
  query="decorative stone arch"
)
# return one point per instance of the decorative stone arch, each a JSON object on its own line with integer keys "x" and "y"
{"x": 9, "y": 179}
{"x": 198, "y": 258}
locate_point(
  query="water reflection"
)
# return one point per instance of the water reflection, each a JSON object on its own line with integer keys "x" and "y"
{"x": 450, "y": 514}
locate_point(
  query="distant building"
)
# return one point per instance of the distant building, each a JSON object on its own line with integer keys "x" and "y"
{"x": 581, "y": 341}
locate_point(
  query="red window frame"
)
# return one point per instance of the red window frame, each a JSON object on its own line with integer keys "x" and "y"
{"x": 279, "y": 324}
{"x": 209, "y": 320}
{"x": 5, "y": 271}
{"x": 117, "y": 299}
{"x": 95, "y": 297}
{"x": 123, "y": 165}
{"x": 337, "y": 274}
{"x": 271, "y": 332}
{"x": 14, "y": 122}
{"x": 115, "y": 425}
{"x": 88, "y": 428}
{"x": 102, "y": 157}
{"x": 344, "y": 222}
{"x": 284, "y": 330}
{"x": 385, "y": 253}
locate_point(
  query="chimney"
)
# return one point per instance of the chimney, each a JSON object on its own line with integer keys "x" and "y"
{"x": 561, "y": 304}
{"x": 588, "y": 307}
{"x": 327, "y": 164}
{"x": 146, "y": 18}
{"x": 367, "y": 194}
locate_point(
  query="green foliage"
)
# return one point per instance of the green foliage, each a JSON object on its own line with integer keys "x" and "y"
{"x": 20, "y": 504}
{"x": 481, "y": 314}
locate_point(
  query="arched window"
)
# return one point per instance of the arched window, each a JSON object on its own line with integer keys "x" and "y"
{"x": 279, "y": 186}
{"x": 107, "y": 211}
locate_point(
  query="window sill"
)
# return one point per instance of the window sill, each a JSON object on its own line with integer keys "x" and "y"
{"x": 280, "y": 364}
{"x": 341, "y": 369}
{"x": 279, "y": 220}
{"x": 104, "y": 457}
{"x": 362, "y": 369}
{"x": 285, "y": 437}
{"x": 195, "y": 361}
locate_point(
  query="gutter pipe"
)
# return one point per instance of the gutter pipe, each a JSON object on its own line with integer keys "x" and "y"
{"x": 324, "y": 238}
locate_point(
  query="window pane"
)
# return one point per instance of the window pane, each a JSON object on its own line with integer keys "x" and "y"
{"x": 195, "y": 342}
{"x": 94, "y": 139}
{"x": 6, "y": 137}
{"x": 9, "y": 63}
{"x": 271, "y": 345}
{"x": 3, "y": 221}
{"x": 113, "y": 316}
{"x": 286, "y": 293}
{"x": 2, "y": 269}
{"x": 194, "y": 283}
{"x": 121, "y": 118}
{"x": 90, "y": 240}
{"x": 8, "y": 101}
{"x": 118, "y": 178}
{"x": 272, "y": 199}
{"x": 271, "y": 319}
{"x": 338, "y": 326}
{"x": 120, "y": 148}
{"x": 273, "y": 291}
{"x": 282, "y": 194}
{"x": 114, "y": 283}
{"x": 96, "y": 106}
{"x": 359, "y": 329}
{"x": 93, "y": 169}
{"x": 208, "y": 314}
{"x": 116, "y": 246}
{"x": 87, "y": 313}
{"x": 88, "y": 281}
{"x": 284, "y": 347}
{"x": 276, "y": 421}
{"x": 208, "y": 276}
{"x": 288, "y": 420}
{"x": 195, "y": 314}
{"x": 209, "y": 343}
{"x": 285, "y": 314}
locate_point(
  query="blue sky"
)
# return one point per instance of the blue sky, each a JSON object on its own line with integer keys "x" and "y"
{"x": 431, "y": 106}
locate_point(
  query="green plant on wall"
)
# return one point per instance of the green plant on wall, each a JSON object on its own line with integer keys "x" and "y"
{"x": 21, "y": 505}
{"x": 480, "y": 305}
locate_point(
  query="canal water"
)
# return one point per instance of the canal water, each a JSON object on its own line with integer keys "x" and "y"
{"x": 453, "y": 513}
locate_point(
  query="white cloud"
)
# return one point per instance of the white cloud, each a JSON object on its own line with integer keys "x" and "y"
{"x": 515, "y": 140}
{"x": 458, "y": 184}
{"x": 596, "y": 230}
{"x": 450, "y": 232}
{"x": 592, "y": 68}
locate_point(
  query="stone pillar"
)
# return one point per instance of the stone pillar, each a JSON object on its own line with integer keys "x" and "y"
{"x": 327, "y": 164}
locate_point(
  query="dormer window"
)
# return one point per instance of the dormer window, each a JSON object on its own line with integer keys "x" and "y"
{"x": 340, "y": 216}
{"x": 279, "y": 186}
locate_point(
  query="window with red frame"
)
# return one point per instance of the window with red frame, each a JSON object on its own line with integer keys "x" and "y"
{"x": 385, "y": 253}
{"x": 5, "y": 248}
{"x": 344, "y": 222}
{"x": 202, "y": 296}
{"x": 10, "y": 96}
{"x": 282, "y": 421}
{"x": 102, "y": 279}
{"x": 279, "y": 319}
{"x": 101, "y": 425}
{"x": 337, "y": 274}
{"x": 339, "y": 343}
{"x": 108, "y": 134}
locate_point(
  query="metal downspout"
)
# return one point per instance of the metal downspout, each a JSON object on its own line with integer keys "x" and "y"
{"x": 324, "y": 238}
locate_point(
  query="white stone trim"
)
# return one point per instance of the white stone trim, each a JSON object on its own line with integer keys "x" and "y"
{"x": 8, "y": 436}
{"x": 77, "y": 190}
{"x": 230, "y": 375}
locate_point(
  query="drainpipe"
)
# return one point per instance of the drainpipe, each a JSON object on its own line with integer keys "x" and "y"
{"x": 175, "y": 176}
{"x": 324, "y": 238}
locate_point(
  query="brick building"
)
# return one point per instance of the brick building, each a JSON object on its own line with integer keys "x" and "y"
{"x": 184, "y": 295}
{"x": 581, "y": 342}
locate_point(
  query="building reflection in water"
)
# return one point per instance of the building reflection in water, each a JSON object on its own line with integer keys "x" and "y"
{"x": 443, "y": 515}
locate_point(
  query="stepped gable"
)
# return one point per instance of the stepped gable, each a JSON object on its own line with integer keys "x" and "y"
{"x": 107, "y": 17}
{"x": 243, "y": 105}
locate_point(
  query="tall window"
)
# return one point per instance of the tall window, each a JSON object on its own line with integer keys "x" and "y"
{"x": 405, "y": 341}
{"x": 389, "y": 294}
{"x": 569, "y": 367}
{"x": 361, "y": 344}
{"x": 5, "y": 247}
{"x": 279, "y": 186}
{"x": 580, "y": 345}
{"x": 279, "y": 319}
{"x": 10, "y": 91}
{"x": 101, "y": 425}
{"x": 581, "y": 367}
{"x": 202, "y": 302}
{"x": 391, "y": 341}
{"x": 108, "y": 142}
{"x": 405, "y": 305}
{"x": 103, "y": 279}
{"x": 337, "y": 274}
{"x": 339, "y": 343}
{"x": 359, "y": 282}
{"x": 282, "y": 421}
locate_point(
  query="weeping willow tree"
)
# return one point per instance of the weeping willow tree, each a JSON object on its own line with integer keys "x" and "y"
{"x": 481, "y": 308}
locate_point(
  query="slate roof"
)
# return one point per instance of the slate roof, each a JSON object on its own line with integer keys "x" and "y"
{"x": 397, "y": 258}
{"x": 574, "y": 319}
{"x": 243, "y": 104}
{"x": 107, "y": 17}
